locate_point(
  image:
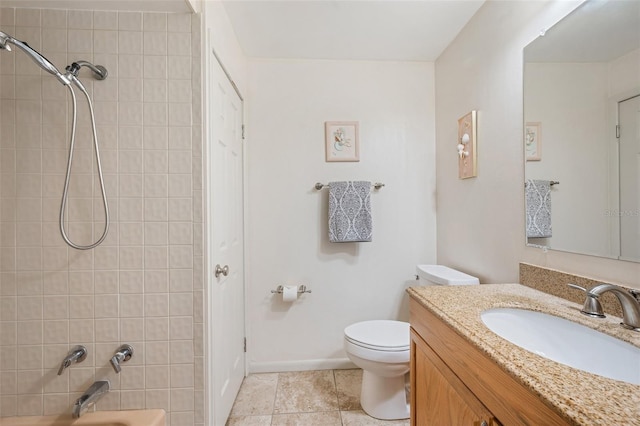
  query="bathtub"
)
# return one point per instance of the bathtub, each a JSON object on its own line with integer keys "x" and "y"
{"x": 98, "y": 418}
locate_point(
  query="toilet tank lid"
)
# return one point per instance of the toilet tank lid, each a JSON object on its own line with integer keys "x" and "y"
{"x": 444, "y": 275}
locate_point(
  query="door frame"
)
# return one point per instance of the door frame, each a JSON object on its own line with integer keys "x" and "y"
{"x": 206, "y": 50}
{"x": 613, "y": 120}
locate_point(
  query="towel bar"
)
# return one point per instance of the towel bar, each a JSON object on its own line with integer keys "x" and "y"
{"x": 320, "y": 186}
{"x": 301, "y": 289}
{"x": 551, "y": 183}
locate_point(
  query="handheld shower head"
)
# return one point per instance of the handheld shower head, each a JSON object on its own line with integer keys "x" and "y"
{"x": 43, "y": 62}
{"x": 4, "y": 38}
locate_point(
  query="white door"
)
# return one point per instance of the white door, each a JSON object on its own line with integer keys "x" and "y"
{"x": 225, "y": 254}
{"x": 629, "y": 121}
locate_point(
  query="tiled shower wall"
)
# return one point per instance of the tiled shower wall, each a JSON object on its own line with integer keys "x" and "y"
{"x": 143, "y": 285}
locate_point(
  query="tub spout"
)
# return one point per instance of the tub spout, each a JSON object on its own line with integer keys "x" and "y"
{"x": 96, "y": 391}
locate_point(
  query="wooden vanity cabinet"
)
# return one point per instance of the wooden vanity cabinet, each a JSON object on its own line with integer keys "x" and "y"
{"x": 438, "y": 395}
{"x": 454, "y": 383}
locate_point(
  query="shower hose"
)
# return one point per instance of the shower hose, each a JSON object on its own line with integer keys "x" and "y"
{"x": 65, "y": 192}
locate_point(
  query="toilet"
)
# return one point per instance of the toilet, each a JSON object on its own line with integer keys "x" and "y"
{"x": 381, "y": 348}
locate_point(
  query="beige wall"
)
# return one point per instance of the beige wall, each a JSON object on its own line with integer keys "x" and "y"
{"x": 481, "y": 220}
{"x": 143, "y": 285}
{"x": 287, "y": 220}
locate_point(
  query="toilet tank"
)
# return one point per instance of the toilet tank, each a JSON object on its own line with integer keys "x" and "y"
{"x": 443, "y": 275}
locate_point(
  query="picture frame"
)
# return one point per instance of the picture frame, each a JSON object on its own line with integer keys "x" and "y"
{"x": 533, "y": 141}
{"x": 467, "y": 145}
{"x": 342, "y": 141}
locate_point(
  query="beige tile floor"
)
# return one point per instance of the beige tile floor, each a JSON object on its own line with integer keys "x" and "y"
{"x": 307, "y": 398}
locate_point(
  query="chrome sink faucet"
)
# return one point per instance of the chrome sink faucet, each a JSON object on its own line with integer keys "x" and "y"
{"x": 96, "y": 391}
{"x": 628, "y": 300}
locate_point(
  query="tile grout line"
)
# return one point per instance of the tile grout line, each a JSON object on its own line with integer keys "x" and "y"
{"x": 275, "y": 398}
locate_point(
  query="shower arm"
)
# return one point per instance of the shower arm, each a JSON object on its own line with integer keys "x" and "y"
{"x": 100, "y": 72}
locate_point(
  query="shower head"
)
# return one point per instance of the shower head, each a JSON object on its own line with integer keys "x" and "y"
{"x": 4, "y": 38}
{"x": 43, "y": 62}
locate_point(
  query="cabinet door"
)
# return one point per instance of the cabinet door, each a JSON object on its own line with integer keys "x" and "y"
{"x": 438, "y": 395}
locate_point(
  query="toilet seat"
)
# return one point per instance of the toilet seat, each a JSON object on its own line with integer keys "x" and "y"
{"x": 380, "y": 335}
{"x": 378, "y": 340}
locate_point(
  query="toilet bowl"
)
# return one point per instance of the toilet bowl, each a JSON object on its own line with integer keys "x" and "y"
{"x": 382, "y": 349}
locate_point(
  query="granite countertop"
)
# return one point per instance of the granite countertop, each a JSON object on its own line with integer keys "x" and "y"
{"x": 584, "y": 398}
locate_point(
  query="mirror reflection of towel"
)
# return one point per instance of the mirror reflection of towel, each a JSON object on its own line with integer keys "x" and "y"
{"x": 538, "y": 206}
{"x": 350, "y": 211}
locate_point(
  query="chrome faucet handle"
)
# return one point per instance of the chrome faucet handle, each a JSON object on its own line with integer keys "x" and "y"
{"x": 592, "y": 306}
{"x": 123, "y": 354}
{"x": 75, "y": 355}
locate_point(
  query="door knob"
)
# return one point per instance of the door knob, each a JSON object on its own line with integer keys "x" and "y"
{"x": 224, "y": 270}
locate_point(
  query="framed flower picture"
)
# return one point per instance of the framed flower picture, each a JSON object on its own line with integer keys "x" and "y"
{"x": 533, "y": 141}
{"x": 342, "y": 141}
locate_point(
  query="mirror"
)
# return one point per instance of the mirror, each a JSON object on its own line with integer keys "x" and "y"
{"x": 582, "y": 132}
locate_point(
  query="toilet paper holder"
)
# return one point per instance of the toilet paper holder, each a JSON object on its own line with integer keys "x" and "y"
{"x": 301, "y": 289}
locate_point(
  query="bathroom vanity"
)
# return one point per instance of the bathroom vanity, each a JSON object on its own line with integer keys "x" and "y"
{"x": 464, "y": 374}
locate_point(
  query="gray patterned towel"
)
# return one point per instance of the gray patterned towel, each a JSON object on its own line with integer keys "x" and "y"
{"x": 538, "y": 206}
{"x": 350, "y": 211}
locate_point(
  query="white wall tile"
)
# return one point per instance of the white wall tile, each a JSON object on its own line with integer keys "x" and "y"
{"x": 130, "y": 65}
{"x": 131, "y": 282}
{"x": 155, "y": 66}
{"x": 178, "y": 68}
{"x": 105, "y": 41}
{"x": 156, "y": 185}
{"x": 155, "y": 43}
{"x": 155, "y": 90}
{"x": 156, "y": 281}
{"x": 156, "y": 161}
{"x": 54, "y": 40}
{"x": 156, "y": 137}
{"x": 79, "y": 41}
{"x": 105, "y": 20}
{"x": 158, "y": 399}
{"x": 182, "y": 376}
{"x": 181, "y": 233}
{"x": 130, "y": 21}
{"x": 107, "y": 330}
{"x": 156, "y": 328}
{"x": 56, "y": 332}
{"x": 156, "y": 233}
{"x": 54, "y": 18}
{"x": 179, "y": 22}
{"x": 156, "y": 257}
{"x": 154, "y": 21}
{"x": 156, "y": 305}
{"x": 119, "y": 291}
{"x": 157, "y": 353}
{"x": 80, "y": 19}
{"x": 28, "y": 17}
{"x": 130, "y": 90}
{"x": 157, "y": 377}
{"x": 181, "y": 399}
{"x": 155, "y": 114}
{"x": 179, "y": 45}
{"x": 132, "y": 329}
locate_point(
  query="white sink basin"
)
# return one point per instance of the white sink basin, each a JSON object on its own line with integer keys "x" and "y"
{"x": 566, "y": 342}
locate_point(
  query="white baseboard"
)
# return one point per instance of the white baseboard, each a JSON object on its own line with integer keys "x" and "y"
{"x": 301, "y": 365}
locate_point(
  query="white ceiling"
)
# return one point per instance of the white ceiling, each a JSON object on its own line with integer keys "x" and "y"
{"x": 597, "y": 31}
{"x": 415, "y": 30}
